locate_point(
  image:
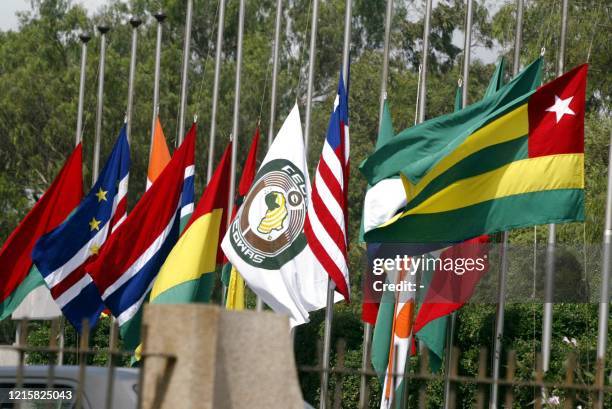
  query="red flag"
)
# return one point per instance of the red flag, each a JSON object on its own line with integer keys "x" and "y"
{"x": 52, "y": 208}
{"x": 449, "y": 290}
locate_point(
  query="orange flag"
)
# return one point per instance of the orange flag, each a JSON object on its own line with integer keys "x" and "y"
{"x": 160, "y": 155}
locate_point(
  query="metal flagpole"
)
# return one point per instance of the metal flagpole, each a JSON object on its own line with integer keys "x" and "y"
{"x": 331, "y": 287}
{"x": 385, "y": 67}
{"x": 85, "y": 37}
{"x": 275, "y": 48}
{"x": 367, "y": 327}
{"x": 235, "y": 130}
{"x": 135, "y": 22}
{"x": 503, "y": 272}
{"x": 425, "y": 59}
{"x": 160, "y": 17}
{"x": 311, "y": 62}
{"x": 215, "y": 94}
{"x": 549, "y": 281}
{"x": 96, "y": 159}
{"x": 185, "y": 73}
{"x": 467, "y": 52}
{"x": 604, "y": 301}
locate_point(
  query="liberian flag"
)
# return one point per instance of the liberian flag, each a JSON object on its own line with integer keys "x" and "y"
{"x": 18, "y": 276}
{"x": 63, "y": 254}
{"x": 130, "y": 261}
{"x": 187, "y": 275}
{"x": 325, "y": 225}
{"x": 159, "y": 156}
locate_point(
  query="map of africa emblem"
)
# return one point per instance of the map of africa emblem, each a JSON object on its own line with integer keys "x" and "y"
{"x": 269, "y": 230}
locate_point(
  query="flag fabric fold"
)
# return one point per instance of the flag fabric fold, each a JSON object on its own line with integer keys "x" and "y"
{"x": 187, "y": 275}
{"x": 127, "y": 265}
{"x": 524, "y": 167}
{"x": 63, "y": 255}
{"x": 18, "y": 275}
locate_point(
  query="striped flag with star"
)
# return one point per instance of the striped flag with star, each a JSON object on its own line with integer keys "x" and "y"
{"x": 63, "y": 254}
{"x": 522, "y": 166}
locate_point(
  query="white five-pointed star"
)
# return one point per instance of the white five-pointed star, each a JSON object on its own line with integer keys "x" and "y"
{"x": 561, "y": 107}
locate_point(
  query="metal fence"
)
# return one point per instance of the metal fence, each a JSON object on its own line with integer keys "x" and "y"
{"x": 567, "y": 392}
{"x": 571, "y": 391}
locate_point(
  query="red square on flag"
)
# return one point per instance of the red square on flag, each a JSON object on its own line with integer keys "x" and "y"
{"x": 556, "y": 115}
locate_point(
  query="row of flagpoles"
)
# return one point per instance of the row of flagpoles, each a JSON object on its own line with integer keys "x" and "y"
{"x": 420, "y": 117}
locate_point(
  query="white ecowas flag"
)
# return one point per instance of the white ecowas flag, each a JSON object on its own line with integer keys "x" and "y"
{"x": 266, "y": 241}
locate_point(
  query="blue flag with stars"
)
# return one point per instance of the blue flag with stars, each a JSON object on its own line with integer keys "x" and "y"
{"x": 63, "y": 254}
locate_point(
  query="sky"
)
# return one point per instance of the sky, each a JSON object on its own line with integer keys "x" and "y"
{"x": 9, "y": 21}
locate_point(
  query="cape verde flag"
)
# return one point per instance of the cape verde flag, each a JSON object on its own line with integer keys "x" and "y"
{"x": 327, "y": 215}
{"x": 63, "y": 254}
{"x": 128, "y": 264}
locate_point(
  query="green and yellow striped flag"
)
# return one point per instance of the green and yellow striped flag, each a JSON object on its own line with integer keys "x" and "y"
{"x": 521, "y": 164}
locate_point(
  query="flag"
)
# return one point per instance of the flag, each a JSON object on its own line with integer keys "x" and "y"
{"x": 187, "y": 275}
{"x": 379, "y": 211}
{"x": 326, "y": 219}
{"x": 523, "y": 166}
{"x": 454, "y": 282}
{"x": 392, "y": 339}
{"x": 127, "y": 265}
{"x": 495, "y": 83}
{"x": 18, "y": 275}
{"x": 230, "y": 276}
{"x": 63, "y": 255}
{"x": 159, "y": 155}
{"x": 414, "y": 145}
{"x": 266, "y": 240}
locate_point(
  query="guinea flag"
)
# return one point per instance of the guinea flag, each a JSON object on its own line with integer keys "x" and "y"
{"x": 187, "y": 274}
{"x": 18, "y": 276}
{"x": 520, "y": 166}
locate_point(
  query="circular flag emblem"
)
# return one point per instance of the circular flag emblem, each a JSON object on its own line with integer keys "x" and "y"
{"x": 269, "y": 231}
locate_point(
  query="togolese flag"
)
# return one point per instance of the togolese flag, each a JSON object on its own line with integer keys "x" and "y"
{"x": 187, "y": 274}
{"x": 18, "y": 275}
{"x": 522, "y": 165}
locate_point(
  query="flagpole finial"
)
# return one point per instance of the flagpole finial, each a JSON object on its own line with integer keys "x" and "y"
{"x": 542, "y": 51}
{"x": 160, "y": 16}
{"x": 135, "y": 22}
{"x": 103, "y": 29}
{"x": 84, "y": 37}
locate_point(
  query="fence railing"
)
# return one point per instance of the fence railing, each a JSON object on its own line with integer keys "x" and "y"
{"x": 420, "y": 374}
{"x": 570, "y": 393}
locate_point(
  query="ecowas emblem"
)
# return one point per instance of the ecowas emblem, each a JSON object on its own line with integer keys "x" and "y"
{"x": 270, "y": 228}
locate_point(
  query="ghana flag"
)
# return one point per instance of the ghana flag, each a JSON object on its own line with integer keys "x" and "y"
{"x": 523, "y": 165}
{"x": 187, "y": 274}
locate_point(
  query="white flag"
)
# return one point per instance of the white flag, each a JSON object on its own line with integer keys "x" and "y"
{"x": 266, "y": 241}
